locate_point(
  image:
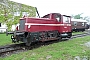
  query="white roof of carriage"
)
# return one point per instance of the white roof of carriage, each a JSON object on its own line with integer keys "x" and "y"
{"x": 78, "y": 20}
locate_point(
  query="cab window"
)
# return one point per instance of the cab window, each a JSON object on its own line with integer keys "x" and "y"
{"x": 57, "y": 17}
{"x": 66, "y": 19}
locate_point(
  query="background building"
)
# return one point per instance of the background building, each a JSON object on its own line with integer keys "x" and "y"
{"x": 10, "y": 12}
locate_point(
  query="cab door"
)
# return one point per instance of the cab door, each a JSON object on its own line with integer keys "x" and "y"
{"x": 66, "y": 24}
{"x": 58, "y": 22}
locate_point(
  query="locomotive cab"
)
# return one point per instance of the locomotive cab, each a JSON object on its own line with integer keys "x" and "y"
{"x": 63, "y": 22}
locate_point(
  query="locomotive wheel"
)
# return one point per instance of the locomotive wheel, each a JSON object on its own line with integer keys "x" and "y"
{"x": 59, "y": 39}
{"x": 28, "y": 43}
{"x": 69, "y": 36}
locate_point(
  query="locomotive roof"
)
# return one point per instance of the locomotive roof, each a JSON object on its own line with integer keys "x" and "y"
{"x": 78, "y": 20}
{"x": 56, "y": 13}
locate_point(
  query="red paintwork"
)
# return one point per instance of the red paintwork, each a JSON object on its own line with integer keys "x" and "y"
{"x": 17, "y": 28}
{"x": 42, "y": 27}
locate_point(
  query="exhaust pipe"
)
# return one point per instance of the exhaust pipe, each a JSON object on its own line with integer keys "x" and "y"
{"x": 37, "y": 12}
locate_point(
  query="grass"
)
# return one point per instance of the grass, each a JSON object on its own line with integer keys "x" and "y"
{"x": 64, "y": 50}
{"x": 74, "y": 33}
{"x": 4, "y": 40}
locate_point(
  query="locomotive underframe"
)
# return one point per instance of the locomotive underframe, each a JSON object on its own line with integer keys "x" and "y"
{"x": 78, "y": 29}
{"x": 29, "y": 37}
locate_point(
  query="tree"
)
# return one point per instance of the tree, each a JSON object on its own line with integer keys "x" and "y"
{"x": 78, "y": 16}
{"x": 87, "y": 18}
{"x": 8, "y": 10}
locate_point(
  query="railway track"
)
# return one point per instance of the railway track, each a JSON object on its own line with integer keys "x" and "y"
{"x": 80, "y": 35}
{"x": 16, "y": 48}
{"x": 7, "y": 50}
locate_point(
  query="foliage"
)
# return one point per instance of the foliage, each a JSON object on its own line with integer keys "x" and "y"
{"x": 12, "y": 11}
{"x": 87, "y": 18}
{"x": 78, "y": 16}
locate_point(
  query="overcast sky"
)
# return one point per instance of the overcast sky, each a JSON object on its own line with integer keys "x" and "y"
{"x": 66, "y": 7}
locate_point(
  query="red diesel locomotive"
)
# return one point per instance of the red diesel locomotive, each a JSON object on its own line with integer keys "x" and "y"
{"x": 50, "y": 27}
